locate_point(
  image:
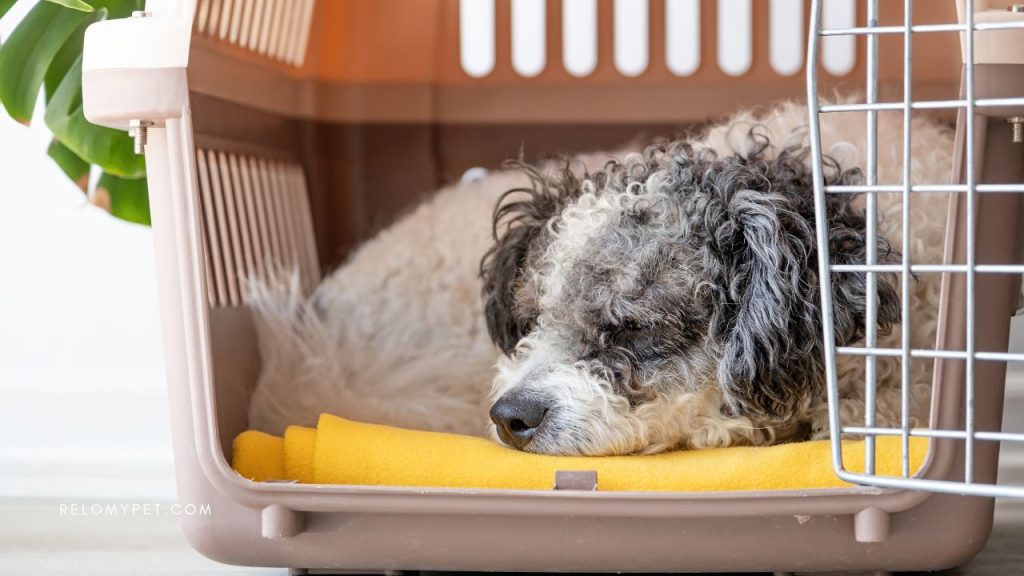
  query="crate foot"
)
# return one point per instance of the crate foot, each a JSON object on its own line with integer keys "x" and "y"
{"x": 871, "y": 525}
{"x": 280, "y": 522}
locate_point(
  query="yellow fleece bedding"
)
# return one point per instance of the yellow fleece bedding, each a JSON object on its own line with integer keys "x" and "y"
{"x": 340, "y": 451}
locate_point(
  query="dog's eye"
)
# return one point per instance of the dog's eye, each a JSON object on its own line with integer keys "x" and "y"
{"x": 624, "y": 334}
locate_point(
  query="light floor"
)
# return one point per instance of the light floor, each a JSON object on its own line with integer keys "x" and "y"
{"x": 35, "y": 538}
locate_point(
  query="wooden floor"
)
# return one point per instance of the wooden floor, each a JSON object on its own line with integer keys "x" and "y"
{"x": 36, "y": 538}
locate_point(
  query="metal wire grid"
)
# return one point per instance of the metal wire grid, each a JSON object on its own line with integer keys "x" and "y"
{"x": 870, "y": 351}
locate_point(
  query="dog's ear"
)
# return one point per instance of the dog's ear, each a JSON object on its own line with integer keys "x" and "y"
{"x": 772, "y": 356}
{"x": 848, "y": 245}
{"x": 766, "y": 329}
{"x": 520, "y": 220}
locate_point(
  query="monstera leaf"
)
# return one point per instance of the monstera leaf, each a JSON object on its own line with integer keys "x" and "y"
{"x": 43, "y": 55}
{"x": 5, "y": 5}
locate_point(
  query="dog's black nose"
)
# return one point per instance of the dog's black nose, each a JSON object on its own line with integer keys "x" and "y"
{"x": 518, "y": 415}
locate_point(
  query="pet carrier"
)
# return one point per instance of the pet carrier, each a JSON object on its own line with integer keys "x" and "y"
{"x": 266, "y": 122}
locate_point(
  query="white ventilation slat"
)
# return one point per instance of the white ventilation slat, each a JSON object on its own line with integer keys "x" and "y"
{"x": 245, "y": 22}
{"x": 242, "y": 214}
{"x": 292, "y": 53}
{"x": 258, "y": 7}
{"x": 283, "y": 209}
{"x": 281, "y": 213}
{"x": 204, "y": 244}
{"x": 263, "y": 40}
{"x": 631, "y": 37}
{"x": 225, "y": 18}
{"x": 289, "y": 30}
{"x": 291, "y": 218}
{"x": 529, "y": 37}
{"x": 306, "y": 225}
{"x": 476, "y": 37}
{"x": 305, "y": 26}
{"x": 275, "y": 27}
{"x": 289, "y": 199}
{"x": 236, "y": 21}
{"x": 735, "y": 42}
{"x": 234, "y": 257}
{"x": 270, "y": 203}
{"x": 839, "y": 53}
{"x": 202, "y": 15}
{"x": 255, "y": 220}
{"x": 262, "y": 223}
{"x": 682, "y": 36}
{"x": 292, "y": 36}
{"x": 579, "y": 36}
{"x": 279, "y": 37}
{"x": 786, "y": 37}
{"x": 212, "y": 25}
{"x": 224, "y": 234}
{"x": 291, "y": 212}
{"x": 252, "y": 220}
{"x": 215, "y": 277}
{"x": 231, "y": 213}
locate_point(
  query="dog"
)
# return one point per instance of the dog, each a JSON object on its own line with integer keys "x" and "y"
{"x": 657, "y": 298}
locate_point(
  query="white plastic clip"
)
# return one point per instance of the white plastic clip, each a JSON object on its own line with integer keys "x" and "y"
{"x": 585, "y": 480}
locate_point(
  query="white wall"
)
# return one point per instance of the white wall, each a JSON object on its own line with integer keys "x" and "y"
{"x": 83, "y": 410}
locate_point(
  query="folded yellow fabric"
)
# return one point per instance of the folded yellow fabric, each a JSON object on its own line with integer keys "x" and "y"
{"x": 341, "y": 451}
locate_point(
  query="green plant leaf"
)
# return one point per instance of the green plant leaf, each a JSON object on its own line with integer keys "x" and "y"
{"x": 74, "y": 5}
{"x": 27, "y": 54}
{"x": 46, "y": 49}
{"x": 66, "y": 56}
{"x": 74, "y": 167}
{"x": 127, "y": 199}
{"x": 5, "y": 5}
{"x": 111, "y": 149}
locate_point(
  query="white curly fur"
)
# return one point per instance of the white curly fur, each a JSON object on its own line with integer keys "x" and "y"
{"x": 397, "y": 335}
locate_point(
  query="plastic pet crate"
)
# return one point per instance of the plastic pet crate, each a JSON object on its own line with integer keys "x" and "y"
{"x": 266, "y": 123}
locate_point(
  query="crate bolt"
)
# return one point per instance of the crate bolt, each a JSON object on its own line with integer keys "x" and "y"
{"x": 139, "y": 131}
{"x": 1017, "y": 122}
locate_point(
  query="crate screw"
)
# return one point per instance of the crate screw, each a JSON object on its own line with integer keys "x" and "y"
{"x": 1018, "y": 128}
{"x": 139, "y": 131}
{"x": 141, "y": 14}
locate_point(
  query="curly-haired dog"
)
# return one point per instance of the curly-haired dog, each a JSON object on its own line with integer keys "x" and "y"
{"x": 665, "y": 300}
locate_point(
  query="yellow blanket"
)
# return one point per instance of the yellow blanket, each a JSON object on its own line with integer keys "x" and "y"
{"x": 341, "y": 451}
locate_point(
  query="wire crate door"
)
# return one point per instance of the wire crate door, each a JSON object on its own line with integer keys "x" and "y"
{"x": 981, "y": 267}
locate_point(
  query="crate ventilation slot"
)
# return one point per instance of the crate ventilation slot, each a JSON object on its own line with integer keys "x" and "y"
{"x": 255, "y": 221}
{"x": 631, "y": 38}
{"x": 278, "y": 29}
